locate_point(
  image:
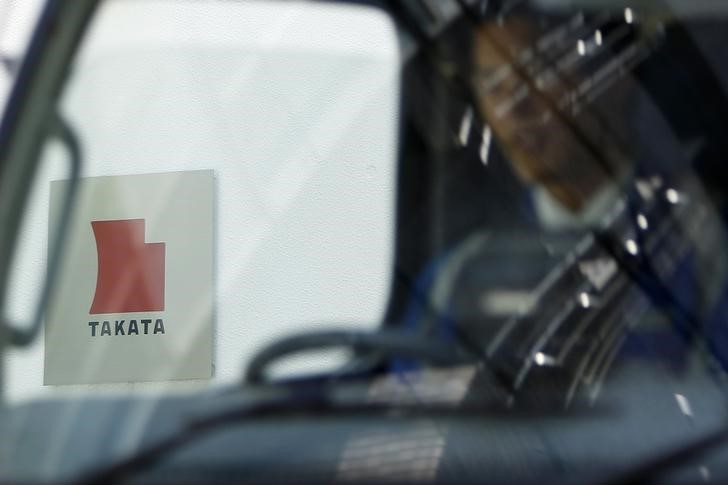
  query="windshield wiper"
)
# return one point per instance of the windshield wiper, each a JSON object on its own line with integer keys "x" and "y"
{"x": 383, "y": 343}
{"x": 22, "y": 336}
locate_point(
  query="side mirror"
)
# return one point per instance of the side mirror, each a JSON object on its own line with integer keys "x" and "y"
{"x": 23, "y": 335}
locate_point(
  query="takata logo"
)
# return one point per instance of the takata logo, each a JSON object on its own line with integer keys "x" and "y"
{"x": 134, "y": 300}
{"x": 131, "y": 271}
{"x": 130, "y": 278}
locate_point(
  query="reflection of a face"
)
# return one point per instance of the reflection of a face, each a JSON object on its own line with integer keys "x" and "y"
{"x": 541, "y": 146}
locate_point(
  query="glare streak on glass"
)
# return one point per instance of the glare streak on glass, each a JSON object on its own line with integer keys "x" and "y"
{"x": 504, "y": 108}
{"x": 560, "y": 39}
{"x": 684, "y": 405}
{"x": 631, "y": 247}
{"x": 599, "y": 373}
{"x": 465, "y": 125}
{"x": 539, "y": 291}
{"x": 581, "y": 47}
{"x": 584, "y": 300}
{"x": 492, "y": 78}
{"x": 542, "y": 359}
{"x": 609, "y": 340}
{"x": 554, "y": 37}
{"x": 598, "y": 271}
{"x": 609, "y": 75}
{"x": 552, "y": 327}
{"x": 485, "y": 144}
{"x": 672, "y": 196}
{"x": 628, "y": 15}
{"x": 645, "y": 189}
{"x": 607, "y": 364}
{"x": 569, "y": 60}
{"x": 611, "y": 72}
{"x": 587, "y": 321}
{"x": 642, "y": 222}
{"x": 582, "y": 372}
{"x": 605, "y": 76}
{"x": 504, "y": 302}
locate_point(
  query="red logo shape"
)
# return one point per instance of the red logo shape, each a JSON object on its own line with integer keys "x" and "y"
{"x": 131, "y": 271}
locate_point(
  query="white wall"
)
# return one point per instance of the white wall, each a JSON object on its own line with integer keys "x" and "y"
{"x": 295, "y": 108}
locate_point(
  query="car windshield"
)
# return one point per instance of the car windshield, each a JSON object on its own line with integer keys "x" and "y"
{"x": 513, "y": 211}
